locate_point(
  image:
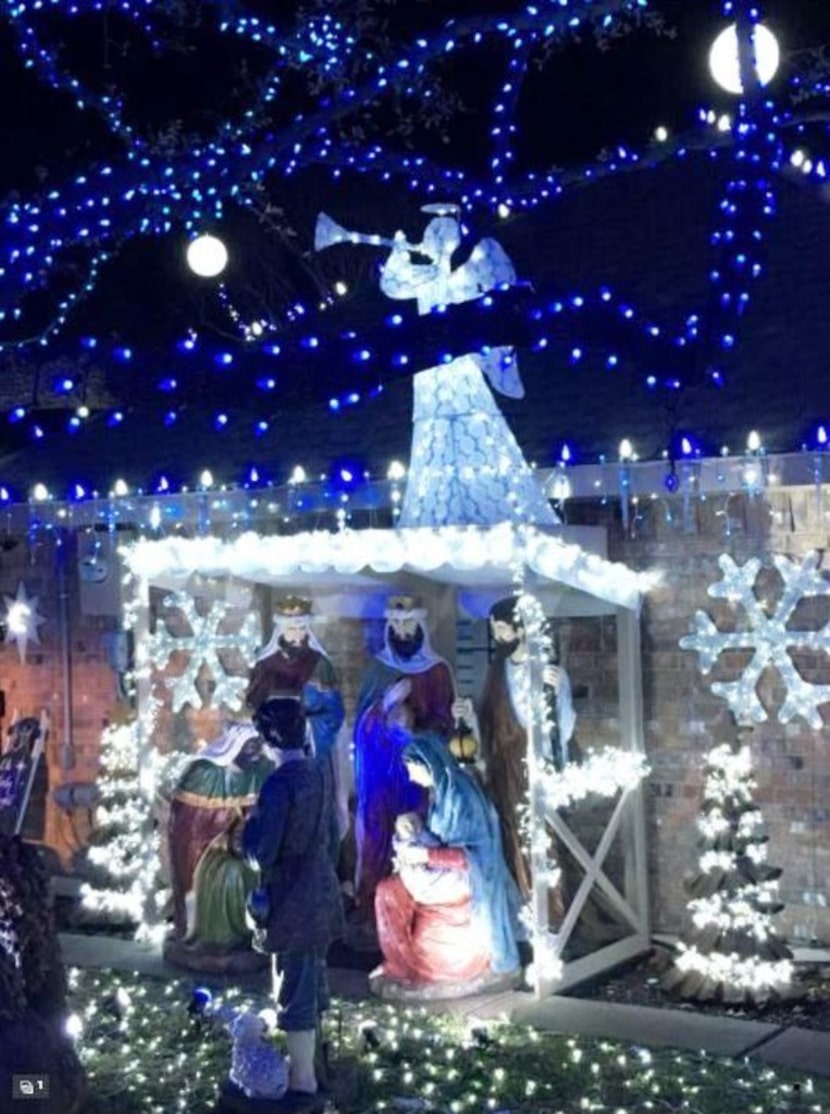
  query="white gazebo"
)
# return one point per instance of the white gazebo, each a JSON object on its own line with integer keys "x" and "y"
{"x": 460, "y": 572}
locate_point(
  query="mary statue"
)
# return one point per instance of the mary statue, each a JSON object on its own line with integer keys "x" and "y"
{"x": 453, "y": 931}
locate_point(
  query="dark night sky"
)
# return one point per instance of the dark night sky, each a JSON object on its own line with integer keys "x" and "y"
{"x": 583, "y": 100}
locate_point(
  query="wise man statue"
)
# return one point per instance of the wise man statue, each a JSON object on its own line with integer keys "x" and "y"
{"x": 218, "y": 786}
{"x": 407, "y": 681}
{"x": 294, "y": 664}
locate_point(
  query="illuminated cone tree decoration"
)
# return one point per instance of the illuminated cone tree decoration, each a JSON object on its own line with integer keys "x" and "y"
{"x": 731, "y": 952}
{"x": 118, "y": 850}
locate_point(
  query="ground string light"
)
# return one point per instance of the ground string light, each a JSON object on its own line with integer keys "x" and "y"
{"x": 162, "y": 1047}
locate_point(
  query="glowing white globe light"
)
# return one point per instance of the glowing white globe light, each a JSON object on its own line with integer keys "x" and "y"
{"x": 560, "y": 488}
{"x": 207, "y": 256}
{"x": 18, "y": 617}
{"x": 723, "y": 57}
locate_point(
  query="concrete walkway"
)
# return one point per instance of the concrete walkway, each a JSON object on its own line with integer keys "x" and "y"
{"x": 791, "y": 1047}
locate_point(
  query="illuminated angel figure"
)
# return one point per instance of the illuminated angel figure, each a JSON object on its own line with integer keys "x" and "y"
{"x": 466, "y": 467}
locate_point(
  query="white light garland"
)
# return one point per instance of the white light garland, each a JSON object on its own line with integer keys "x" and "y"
{"x": 254, "y": 557}
{"x": 738, "y": 911}
{"x": 714, "y": 823}
{"x": 603, "y": 773}
{"x": 749, "y": 974}
{"x": 725, "y": 860}
{"x": 546, "y": 965}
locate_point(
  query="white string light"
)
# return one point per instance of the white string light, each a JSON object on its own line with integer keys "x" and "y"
{"x": 734, "y": 952}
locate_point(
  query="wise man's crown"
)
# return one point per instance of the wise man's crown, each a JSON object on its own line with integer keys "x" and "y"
{"x": 293, "y": 605}
{"x": 405, "y": 607}
{"x": 403, "y": 603}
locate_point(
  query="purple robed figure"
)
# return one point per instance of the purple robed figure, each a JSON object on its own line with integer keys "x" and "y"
{"x": 409, "y": 677}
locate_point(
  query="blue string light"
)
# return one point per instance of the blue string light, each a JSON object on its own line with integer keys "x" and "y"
{"x": 143, "y": 191}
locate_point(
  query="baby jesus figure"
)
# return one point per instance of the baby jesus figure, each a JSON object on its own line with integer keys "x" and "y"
{"x": 428, "y": 885}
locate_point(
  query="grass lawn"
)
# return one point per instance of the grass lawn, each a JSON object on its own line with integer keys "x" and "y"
{"x": 145, "y": 1052}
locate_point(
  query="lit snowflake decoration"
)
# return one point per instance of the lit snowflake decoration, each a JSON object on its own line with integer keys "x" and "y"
{"x": 768, "y": 636}
{"x": 203, "y": 646}
{"x": 22, "y": 620}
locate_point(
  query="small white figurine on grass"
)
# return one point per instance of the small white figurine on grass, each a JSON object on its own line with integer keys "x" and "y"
{"x": 257, "y": 1066}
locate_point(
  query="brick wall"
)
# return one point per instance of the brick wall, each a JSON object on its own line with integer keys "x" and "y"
{"x": 40, "y": 682}
{"x": 683, "y": 718}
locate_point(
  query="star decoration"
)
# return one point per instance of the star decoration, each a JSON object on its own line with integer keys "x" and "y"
{"x": 22, "y": 620}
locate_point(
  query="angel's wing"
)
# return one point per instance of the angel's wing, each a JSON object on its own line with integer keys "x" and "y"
{"x": 488, "y": 267}
{"x": 502, "y": 371}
